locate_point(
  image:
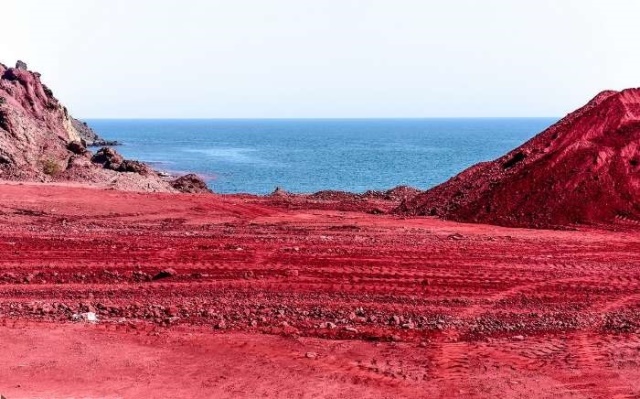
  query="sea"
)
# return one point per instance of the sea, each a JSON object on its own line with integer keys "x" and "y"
{"x": 309, "y": 155}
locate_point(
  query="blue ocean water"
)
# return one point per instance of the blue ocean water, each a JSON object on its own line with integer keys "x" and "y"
{"x": 308, "y": 155}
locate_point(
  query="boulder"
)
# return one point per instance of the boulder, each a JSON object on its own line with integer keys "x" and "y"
{"x": 190, "y": 183}
{"x": 77, "y": 147}
{"x": 134, "y": 167}
{"x": 108, "y": 158}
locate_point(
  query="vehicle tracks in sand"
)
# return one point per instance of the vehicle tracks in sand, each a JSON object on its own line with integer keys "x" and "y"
{"x": 495, "y": 302}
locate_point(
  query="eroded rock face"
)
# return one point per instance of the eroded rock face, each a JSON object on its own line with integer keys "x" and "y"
{"x": 89, "y": 136}
{"x": 40, "y": 141}
{"x": 583, "y": 169}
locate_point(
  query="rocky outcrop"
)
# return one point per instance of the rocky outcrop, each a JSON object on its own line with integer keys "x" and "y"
{"x": 110, "y": 159}
{"x": 584, "y": 169}
{"x": 89, "y": 136}
{"x": 190, "y": 183}
{"x": 40, "y": 141}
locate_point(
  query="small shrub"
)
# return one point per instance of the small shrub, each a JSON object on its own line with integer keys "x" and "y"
{"x": 51, "y": 167}
{"x": 2, "y": 100}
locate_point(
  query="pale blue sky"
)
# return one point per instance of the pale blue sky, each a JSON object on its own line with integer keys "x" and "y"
{"x": 331, "y": 58}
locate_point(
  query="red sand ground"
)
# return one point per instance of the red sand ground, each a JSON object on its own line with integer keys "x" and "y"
{"x": 271, "y": 299}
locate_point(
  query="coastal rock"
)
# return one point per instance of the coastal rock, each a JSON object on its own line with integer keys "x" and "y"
{"x": 585, "y": 169}
{"x": 111, "y": 159}
{"x": 134, "y": 167}
{"x": 108, "y": 158}
{"x": 190, "y": 183}
{"x": 89, "y": 136}
{"x": 40, "y": 141}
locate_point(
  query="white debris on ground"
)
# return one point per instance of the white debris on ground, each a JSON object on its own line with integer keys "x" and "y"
{"x": 88, "y": 317}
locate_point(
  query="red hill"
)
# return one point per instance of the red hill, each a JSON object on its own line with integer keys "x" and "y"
{"x": 584, "y": 169}
{"x": 40, "y": 141}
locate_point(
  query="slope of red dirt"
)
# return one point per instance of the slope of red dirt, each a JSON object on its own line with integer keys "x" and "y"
{"x": 261, "y": 299}
{"x": 585, "y": 169}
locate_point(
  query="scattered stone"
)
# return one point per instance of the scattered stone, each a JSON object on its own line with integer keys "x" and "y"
{"x": 518, "y": 338}
{"x": 328, "y": 325}
{"x": 166, "y": 273}
{"x": 311, "y": 355}
{"x": 140, "y": 276}
{"x": 89, "y": 317}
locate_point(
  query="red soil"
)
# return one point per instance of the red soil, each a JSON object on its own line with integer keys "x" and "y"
{"x": 585, "y": 169}
{"x": 267, "y": 299}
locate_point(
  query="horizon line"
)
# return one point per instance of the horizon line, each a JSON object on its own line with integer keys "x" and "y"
{"x": 320, "y": 118}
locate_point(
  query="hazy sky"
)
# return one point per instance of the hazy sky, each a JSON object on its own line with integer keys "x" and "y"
{"x": 324, "y": 58}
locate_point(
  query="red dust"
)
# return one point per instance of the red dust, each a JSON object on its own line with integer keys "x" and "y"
{"x": 297, "y": 297}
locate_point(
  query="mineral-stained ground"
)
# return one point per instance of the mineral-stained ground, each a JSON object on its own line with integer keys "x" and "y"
{"x": 208, "y": 296}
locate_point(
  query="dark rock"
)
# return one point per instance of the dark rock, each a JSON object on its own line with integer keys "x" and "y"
{"x": 279, "y": 192}
{"x": 103, "y": 143}
{"x": 108, "y": 158}
{"x": 190, "y": 183}
{"x": 134, "y": 167}
{"x": 77, "y": 148}
{"x": 166, "y": 273}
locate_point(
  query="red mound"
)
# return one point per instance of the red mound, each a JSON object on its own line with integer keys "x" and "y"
{"x": 583, "y": 169}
